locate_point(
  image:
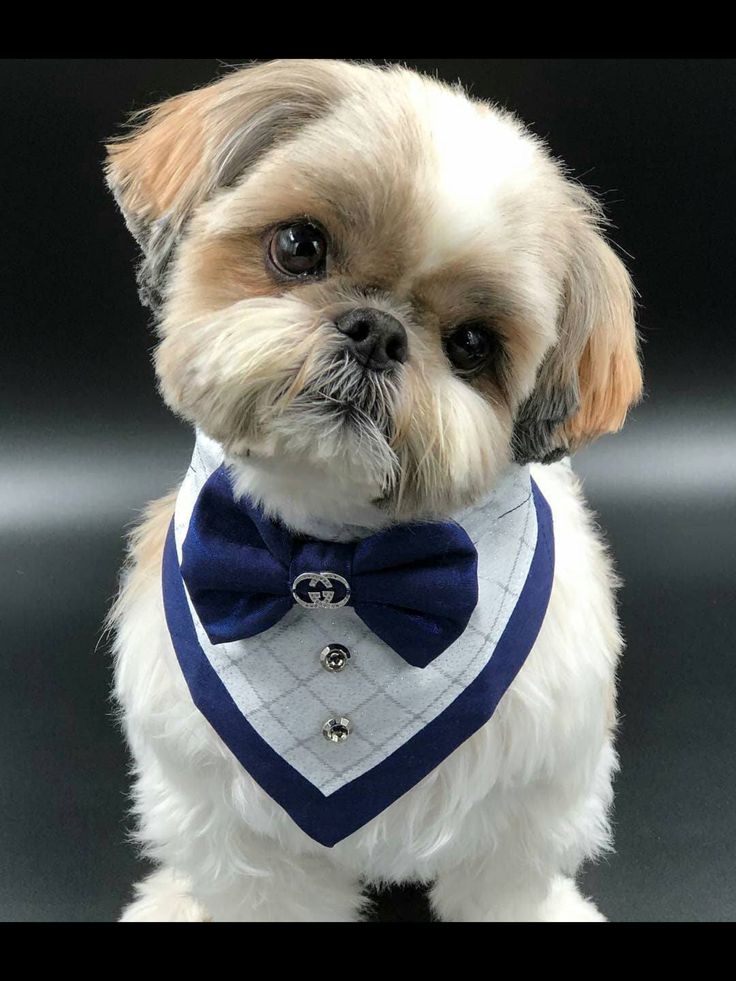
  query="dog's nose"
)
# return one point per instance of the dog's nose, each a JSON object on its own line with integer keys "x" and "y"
{"x": 375, "y": 339}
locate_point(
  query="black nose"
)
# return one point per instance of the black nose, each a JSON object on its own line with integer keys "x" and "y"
{"x": 375, "y": 339}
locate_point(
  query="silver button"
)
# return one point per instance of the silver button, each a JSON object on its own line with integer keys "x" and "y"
{"x": 334, "y": 657}
{"x": 337, "y": 730}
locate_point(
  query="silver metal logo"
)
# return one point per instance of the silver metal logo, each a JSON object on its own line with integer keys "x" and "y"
{"x": 320, "y": 590}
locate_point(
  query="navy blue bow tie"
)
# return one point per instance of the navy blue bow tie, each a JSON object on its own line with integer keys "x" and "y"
{"x": 415, "y": 586}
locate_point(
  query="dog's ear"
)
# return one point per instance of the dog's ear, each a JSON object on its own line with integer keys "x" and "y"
{"x": 591, "y": 376}
{"x": 183, "y": 149}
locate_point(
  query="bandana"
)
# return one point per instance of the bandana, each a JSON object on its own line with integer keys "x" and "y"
{"x": 341, "y": 674}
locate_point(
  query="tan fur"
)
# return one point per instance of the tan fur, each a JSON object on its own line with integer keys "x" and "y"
{"x": 226, "y": 269}
{"x": 609, "y": 372}
{"x": 167, "y": 162}
{"x": 338, "y": 180}
{"x": 157, "y": 168}
{"x": 145, "y": 552}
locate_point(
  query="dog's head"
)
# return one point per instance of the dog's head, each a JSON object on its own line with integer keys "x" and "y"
{"x": 361, "y": 274}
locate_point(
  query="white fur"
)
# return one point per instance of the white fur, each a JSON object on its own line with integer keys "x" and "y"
{"x": 479, "y": 159}
{"x": 495, "y": 828}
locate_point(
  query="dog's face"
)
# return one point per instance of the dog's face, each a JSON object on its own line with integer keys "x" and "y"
{"x": 361, "y": 274}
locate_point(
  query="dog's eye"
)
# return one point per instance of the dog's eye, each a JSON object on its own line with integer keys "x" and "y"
{"x": 469, "y": 347}
{"x": 299, "y": 249}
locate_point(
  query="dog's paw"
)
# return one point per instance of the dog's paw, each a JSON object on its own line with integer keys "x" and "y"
{"x": 566, "y": 904}
{"x": 164, "y": 897}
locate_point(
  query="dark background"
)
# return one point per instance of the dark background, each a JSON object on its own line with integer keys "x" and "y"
{"x": 86, "y": 443}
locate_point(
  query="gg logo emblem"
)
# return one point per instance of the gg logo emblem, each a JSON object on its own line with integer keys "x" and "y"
{"x": 320, "y": 590}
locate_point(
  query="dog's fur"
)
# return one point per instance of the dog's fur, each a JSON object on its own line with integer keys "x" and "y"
{"x": 440, "y": 210}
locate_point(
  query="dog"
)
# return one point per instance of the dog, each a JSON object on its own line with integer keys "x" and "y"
{"x": 372, "y": 638}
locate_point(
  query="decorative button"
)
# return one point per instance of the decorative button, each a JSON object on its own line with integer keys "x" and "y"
{"x": 334, "y": 657}
{"x": 337, "y": 730}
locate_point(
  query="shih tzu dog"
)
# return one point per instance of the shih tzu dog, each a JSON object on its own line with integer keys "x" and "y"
{"x": 372, "y": 637}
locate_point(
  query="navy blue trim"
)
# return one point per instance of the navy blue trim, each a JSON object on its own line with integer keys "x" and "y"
{"x": 329, "y": 819}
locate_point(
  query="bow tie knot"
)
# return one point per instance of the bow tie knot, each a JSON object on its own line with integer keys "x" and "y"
{"x": 415, "y": 586}
{"x": 320, "y": 574}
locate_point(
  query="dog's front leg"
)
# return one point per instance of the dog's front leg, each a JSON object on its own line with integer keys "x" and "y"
{"x": 285, "y": 888}
{"x": 500, "y": 888}
{"x": 225, "y": 869}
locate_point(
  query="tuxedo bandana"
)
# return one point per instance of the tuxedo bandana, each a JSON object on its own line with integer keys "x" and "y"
{"x": 341, "y": 674}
